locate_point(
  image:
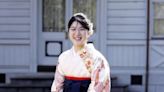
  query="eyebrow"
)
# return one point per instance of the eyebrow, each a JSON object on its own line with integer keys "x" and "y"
{"x": 72, "y": 27}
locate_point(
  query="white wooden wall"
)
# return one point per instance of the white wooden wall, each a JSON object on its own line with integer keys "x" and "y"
{"x": 17, "y": 36}
{"x": 126, "y": 39}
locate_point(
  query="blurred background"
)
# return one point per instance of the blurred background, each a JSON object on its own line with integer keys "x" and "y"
{"x": 129, "y": 33}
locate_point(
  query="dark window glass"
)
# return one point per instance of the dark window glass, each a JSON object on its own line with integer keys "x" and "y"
{"x": 53, "y": 15}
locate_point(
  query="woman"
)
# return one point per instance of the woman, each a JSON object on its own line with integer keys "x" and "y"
{"x": 81, "y": 68}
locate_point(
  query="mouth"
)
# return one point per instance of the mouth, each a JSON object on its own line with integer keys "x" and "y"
{"x": 78, "y": 38}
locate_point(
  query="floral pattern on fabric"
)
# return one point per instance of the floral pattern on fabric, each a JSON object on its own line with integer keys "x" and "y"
{"x": 99, "y": 75}
{"x": 87, "y": 58}
{"x": 90, "y": 63}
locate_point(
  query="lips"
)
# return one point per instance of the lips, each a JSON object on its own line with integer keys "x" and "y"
{"x": 78, "y": 38}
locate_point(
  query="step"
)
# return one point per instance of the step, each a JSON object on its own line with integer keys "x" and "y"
{"x": 46, "y": 88}
{"x": 41, "y": 82}
{"x": 37, "y": 78}
{"x": 45, "y": 79}
{"x": 119, "y": 88}
{"x": 113, "y": 80}
{"x": 24, "y": 88}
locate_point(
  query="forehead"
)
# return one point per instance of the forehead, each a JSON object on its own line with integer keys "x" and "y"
{"x": 76, "y": 24}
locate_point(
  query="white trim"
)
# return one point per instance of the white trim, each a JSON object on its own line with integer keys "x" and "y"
{"x": 68, "y": 12}
{"x": 151, "y": 20}
{"x": 157, "y": 42}
{"x": 14, "y": 42}
{"x": 102, "y": 25}
{"x": 33, "y": 54}
{"x": 40, "y": 35}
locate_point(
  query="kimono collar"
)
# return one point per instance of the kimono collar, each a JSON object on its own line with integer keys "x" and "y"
{"x": 89, "y": 46}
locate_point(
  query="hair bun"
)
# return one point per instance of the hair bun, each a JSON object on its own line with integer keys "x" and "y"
{"x": 85, "y": 19}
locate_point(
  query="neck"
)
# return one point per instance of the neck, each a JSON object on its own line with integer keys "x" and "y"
{"x": 78, "y": 48}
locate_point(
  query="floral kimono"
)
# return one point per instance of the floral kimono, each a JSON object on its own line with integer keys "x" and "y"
{"x": 84, "y": 71}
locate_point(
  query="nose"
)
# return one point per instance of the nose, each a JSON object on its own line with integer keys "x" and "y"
{"x": 77, "y": 32}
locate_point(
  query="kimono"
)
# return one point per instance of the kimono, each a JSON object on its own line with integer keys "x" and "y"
{"x": 87, "y": 68}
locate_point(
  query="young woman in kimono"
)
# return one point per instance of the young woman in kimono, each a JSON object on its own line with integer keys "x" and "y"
{"x": 81, "y": 68}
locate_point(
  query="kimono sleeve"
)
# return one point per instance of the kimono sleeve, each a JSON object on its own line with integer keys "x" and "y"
{"x": 100, "y": 76}
{"x": 57, "y": 85}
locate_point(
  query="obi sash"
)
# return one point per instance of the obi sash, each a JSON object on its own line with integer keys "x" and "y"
{"x": 76, "y": 84}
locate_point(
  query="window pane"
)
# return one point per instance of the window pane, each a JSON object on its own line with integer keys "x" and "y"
{"x": 53, "y": 15}
{"x": 159, "y": 18}
{"x": 87, "y": 7}
{"x": 159, "y": 27}
{"x": 159, "y": 10}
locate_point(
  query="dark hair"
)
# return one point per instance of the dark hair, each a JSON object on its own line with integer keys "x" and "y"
{"x": 83, "y": 20}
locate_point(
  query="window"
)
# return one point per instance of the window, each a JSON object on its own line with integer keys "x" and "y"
{"x": 88, "y": 7}
{"x": 158, "y": 19}
{"x": 53, "y": 15}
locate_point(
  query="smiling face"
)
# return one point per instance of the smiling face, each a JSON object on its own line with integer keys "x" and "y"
{"x": 78, "y": 34}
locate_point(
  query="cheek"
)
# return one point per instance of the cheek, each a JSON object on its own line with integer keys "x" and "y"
{"x": 70, "y": 35}
{"x": 87, "y": 35}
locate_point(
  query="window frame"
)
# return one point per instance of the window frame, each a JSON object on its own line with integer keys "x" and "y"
{"x": 152, "y": 18}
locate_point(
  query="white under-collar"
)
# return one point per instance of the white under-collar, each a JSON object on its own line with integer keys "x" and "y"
{"x": 89, "y": 45}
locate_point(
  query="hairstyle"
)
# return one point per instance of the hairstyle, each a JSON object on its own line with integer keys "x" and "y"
{"x": 83, "y": 20}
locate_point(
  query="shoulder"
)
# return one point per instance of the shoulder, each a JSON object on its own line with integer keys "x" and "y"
{"x": 96, "y": 54}
{"x": 99, "y": 57}
{"x": 99, "y": 54}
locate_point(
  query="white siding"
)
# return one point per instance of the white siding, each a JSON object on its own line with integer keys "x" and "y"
{"x": 126, "y": 4}
{"x": 126, "y": 55}
{"x": 126, "y": 19}
{"x": 15, "y": 28}
{"x": 126, "y": 13}
{"x": 126, "y": 39}
{"x": 126, "y": 28}
{"x": 15, "y": 35}
{"x": 126, "y": 34}
{"x": 15, "y": 4}
{"x": 14, "y": 55}
{"x": 14, "y": 20}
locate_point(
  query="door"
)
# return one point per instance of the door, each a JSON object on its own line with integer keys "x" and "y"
{"x": 53, "y": 18}
{"x": 156, "y": 67}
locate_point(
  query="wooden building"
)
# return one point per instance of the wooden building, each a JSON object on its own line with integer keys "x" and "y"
{"x": 129, "y": 33}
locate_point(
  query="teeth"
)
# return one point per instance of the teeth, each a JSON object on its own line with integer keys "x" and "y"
{"x": 78, "y": 38}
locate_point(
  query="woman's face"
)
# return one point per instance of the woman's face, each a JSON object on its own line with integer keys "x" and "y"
{"x": 78, "y": 34}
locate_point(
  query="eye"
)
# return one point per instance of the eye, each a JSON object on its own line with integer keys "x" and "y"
{"x": 72, "y": 29}
{"x": 82, "y": 29}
